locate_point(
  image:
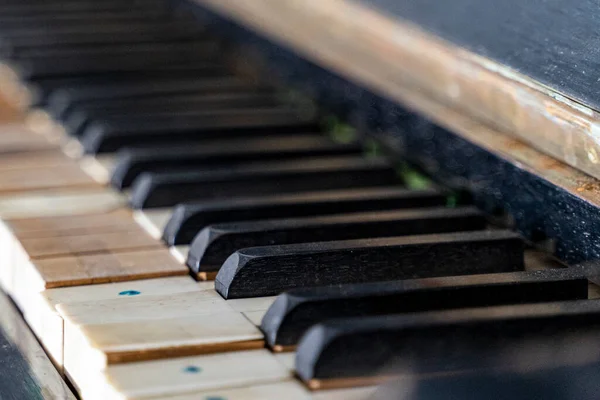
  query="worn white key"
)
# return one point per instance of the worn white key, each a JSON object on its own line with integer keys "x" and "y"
{"x": 57, "y": 203}
{"x": 180, "y": 252}
{"x": 47, "y": 323}
{"x": 185, "y": 376}
{"x": 101, "y": 333}
{"x": 285, "y": 390}
{"x": 255, "y": 316}
{"x": 153, "y": 220}
{"x": 252, "y": 304}
{"x": 99, "y": 167}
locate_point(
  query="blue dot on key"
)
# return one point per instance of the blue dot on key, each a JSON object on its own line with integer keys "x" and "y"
{"x": 129, "y": 293}
{"x": 192, "y": 369}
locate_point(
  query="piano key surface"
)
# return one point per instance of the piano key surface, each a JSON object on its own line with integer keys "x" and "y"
{"x": 112, "y": 304}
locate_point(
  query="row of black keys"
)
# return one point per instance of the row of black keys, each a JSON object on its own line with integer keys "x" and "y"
{"x": 188, "y": 131}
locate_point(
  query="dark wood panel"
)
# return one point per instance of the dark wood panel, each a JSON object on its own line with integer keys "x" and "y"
{"x": 16, "y": 380}
{"x": 26, "y": 373}
{"x": 552, "y": 41}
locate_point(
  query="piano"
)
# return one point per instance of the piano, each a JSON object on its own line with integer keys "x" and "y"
{"x": 284, "y": 199}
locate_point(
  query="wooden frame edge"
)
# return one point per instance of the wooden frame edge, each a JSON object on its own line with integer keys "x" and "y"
{"x": 394, "y": 57}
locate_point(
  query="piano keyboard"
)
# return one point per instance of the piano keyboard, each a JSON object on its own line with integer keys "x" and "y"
{"x": 173, "y": 230}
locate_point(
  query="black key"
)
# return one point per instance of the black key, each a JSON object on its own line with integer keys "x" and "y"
{"x": 188, "y": 219}
{"x": 11, "y": 23}
{"x": 101, "y": 27}
{"x": 62, "y": 101}
{"x": 368, "y": 347}
{"x": 60, "y": 7}
{"x": 190, "y": 72}
{"x": 18, "y": 45}
{"x": 295, "y": 311}
{"x": 77, "y": 120}
{"x": 270, "y": 270}
{"x": 114, "y": 134}
{"x": 167, "y": 189}
{"x": 132, "y": 162}
{"x": 215, "y": 243}
{"x": 94, "y": 60}
{"x": 200, "y": 48}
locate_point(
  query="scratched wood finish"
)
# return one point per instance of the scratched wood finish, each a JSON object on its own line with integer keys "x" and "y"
{"x": 397, "y": 58}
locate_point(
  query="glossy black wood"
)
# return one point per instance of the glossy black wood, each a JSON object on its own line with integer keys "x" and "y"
{"x": 76, "y": 121}
{"x": 444, "y": 340}
{"x": 132, "y": 162}
{"x": 216, "y": 242}
{"x": 188, "y": 219}
{"x": 271, "y": 270}
{"x": 311, "y": 174}
{"x": 115, "y": 133}
{"x": 295, "y": 311}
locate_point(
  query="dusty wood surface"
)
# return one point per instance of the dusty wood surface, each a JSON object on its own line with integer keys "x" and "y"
{"x": 394, "y": 57}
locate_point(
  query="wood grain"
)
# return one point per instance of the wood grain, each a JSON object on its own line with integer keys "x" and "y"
{"x": 395, "y": 57}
